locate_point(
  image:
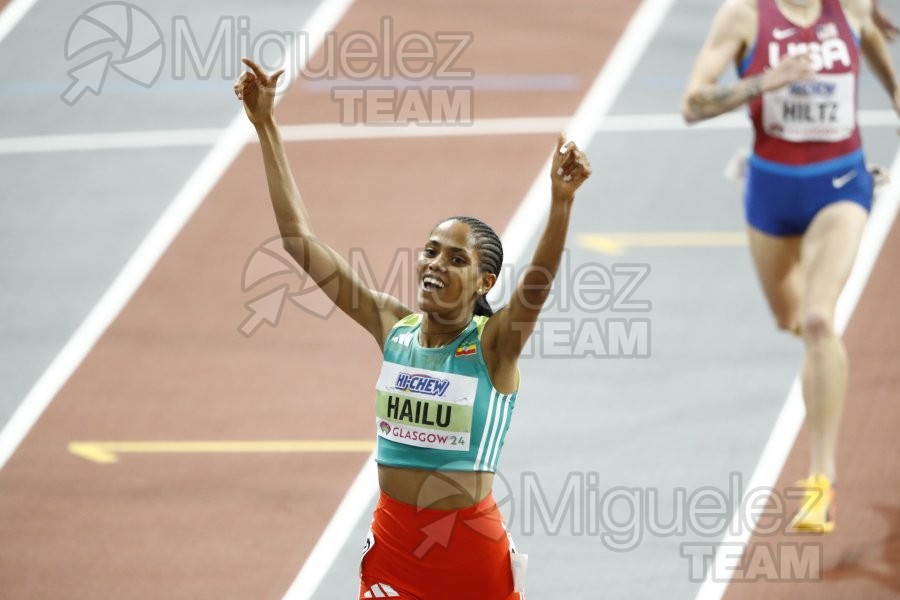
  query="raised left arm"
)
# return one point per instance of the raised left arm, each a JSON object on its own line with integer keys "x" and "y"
{"x": 508, "y": 330}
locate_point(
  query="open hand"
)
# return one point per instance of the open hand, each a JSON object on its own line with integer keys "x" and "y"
{"x": 256, "y": 90}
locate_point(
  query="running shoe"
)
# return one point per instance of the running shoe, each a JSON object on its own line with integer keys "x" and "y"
{"x": 817, "y": 510}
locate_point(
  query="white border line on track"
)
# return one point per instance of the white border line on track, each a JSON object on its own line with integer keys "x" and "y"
{"x": 522, "y": 227}
{"x": 290, "y": 133}
{"x": 588, "y": 120}
{"x": 649, "y": 123}
{"x": 790, "y": 419}
{"x": 230, "y": 142}
{"x": 12, "y": 14}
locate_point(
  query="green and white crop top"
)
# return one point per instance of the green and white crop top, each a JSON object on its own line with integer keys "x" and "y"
{"x": 436, "y": 408}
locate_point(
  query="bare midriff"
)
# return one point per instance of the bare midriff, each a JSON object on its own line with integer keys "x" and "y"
{"x": 439, "y": 490}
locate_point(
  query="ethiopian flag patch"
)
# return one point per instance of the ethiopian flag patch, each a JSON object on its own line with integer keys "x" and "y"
{"x": 465, "y": 349}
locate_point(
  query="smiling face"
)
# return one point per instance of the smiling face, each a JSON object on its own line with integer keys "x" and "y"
{"x": 448, "y": 272}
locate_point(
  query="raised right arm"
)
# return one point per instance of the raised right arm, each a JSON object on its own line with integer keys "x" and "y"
{"x": 375, "y": 311}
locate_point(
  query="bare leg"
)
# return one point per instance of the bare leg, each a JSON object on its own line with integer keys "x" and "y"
{"x": 827, "y": 253}
{"x": 777, "y": 264}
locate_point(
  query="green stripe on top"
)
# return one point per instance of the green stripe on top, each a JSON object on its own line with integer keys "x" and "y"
{"x": 436, "y": 408}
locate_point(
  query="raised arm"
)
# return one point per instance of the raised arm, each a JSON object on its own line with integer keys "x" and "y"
{"x": 508, "y": 330}
{"x": 375, "y": 311}
{"x": 733, "y": 30}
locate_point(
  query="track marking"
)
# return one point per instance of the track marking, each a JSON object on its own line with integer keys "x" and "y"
{"x": 524, "y": 224}
{"x": 12, "y": 14}
{"x": 108, "y": 452}
{"x": 109, "y": 141}
{"x": 336, "y": 533}
{"x": 790, "y": 419}
{"x": 619, "y": 243}
{"x": 290, "y": 133}
{"x": 230, "y": 142}
{"x": 171, "y": 138}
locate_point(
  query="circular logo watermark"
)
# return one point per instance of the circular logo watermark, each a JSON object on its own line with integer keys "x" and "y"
{"x": 112, "y": 35}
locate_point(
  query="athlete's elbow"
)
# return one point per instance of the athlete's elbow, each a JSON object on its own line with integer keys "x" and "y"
{"x": 295, "y": 245}
{"x": 689, "y": 113}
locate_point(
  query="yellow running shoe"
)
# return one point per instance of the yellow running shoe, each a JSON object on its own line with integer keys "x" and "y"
{"x": 817, "y": 511}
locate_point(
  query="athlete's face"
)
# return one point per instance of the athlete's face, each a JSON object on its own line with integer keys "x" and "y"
{"x": 447, "y": 270}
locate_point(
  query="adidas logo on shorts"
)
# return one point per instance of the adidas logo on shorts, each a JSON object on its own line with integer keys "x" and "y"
{"x": 381, "y": 590}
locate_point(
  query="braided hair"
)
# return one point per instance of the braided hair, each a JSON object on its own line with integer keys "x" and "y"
{"x": 490, "y": 255}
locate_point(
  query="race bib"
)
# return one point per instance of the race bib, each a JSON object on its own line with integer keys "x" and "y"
{"x": 820, "y": 110}
{"x": 424, "y": 408}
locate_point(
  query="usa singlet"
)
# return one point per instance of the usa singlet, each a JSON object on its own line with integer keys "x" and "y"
{"x": 436, "y": 408}
{"x": 807, "y": 152}
{"x": 806, "y": 121}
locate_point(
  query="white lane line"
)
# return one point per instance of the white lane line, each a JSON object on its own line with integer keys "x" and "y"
{"x": 784, "y": 433}
{"x": 229, "y": 144}
{"x": 12, "y": 14}
{"x": 650, "y": 123}
{"x": 511, "y": 126}
{"x": 588, "y": 119}
{"x": 336, "y": 533}
{"x": 290, "y": 133}
{"x": 110, "y": 141}
{"x": 522, "y": 227}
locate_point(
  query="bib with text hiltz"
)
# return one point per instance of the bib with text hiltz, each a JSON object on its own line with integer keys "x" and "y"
{"x": 819, "y": 110}
{"x": 428, "y": 409}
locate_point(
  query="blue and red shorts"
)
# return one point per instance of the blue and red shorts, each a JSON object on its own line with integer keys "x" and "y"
{"x": 783, "y": 199}
{"x": 426, "y": 554}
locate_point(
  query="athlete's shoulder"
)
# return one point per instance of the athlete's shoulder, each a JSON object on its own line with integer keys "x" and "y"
{"x": 410, "y": 320}
{"x": 737, "y": 20}
{"x": 859, "y": 11}
{"x": 742, "y": 10}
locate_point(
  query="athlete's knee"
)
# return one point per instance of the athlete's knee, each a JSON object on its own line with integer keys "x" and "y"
{"x": 817, "y": 325}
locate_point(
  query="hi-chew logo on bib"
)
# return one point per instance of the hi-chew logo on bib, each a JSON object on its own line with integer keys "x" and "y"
{"x": 424, "y": 384}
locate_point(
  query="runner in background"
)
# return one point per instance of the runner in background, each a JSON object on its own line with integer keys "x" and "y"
{"x": 808, "y": 192}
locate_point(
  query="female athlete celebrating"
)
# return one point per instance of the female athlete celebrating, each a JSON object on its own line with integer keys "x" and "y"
{"x": 808, "y": 192}
{"x": 448, "y": 383}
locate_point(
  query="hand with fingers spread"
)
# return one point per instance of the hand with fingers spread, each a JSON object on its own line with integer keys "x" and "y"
{"x": 256, "y": 90}
{"x": 569, "y": 170}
